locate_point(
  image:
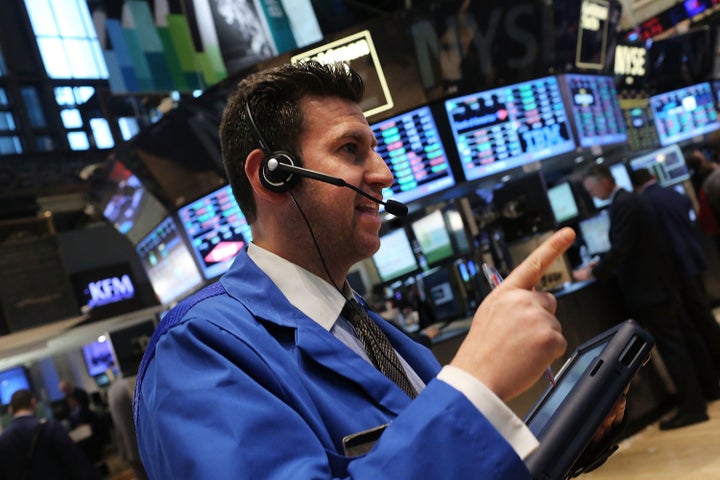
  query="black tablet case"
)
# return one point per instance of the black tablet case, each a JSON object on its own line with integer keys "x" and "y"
{"x": 566, "y": 416}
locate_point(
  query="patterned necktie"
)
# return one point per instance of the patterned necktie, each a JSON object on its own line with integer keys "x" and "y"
{"x": 377, "y": 346}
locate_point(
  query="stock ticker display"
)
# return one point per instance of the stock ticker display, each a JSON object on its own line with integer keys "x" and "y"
{"x": 508, "y": 127}
{"x": 168, "y": 262}
{"x": 411, "y": 147}
{"x": 641, "y": 133}
{"x": 596, "y": 109}
{"x": 684, "y": 113}
{"x": 217, "y": 230}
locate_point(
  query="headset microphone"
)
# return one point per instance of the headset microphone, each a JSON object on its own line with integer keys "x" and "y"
{"x": 391, "y": 206}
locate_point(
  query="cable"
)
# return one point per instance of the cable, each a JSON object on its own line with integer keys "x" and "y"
{"x": 332, "y": 282}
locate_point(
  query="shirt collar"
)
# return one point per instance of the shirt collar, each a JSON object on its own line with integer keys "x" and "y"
{"x": 309, "y": 293}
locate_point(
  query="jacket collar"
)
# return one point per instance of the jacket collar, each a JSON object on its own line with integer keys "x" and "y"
{"x": 249, "y": 285}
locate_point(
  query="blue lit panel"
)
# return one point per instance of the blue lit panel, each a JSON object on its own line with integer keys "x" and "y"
{"x": 168, "y": 262}
{"x": 596, "y": 110}
{"x": 412, "y": 149}
{"x": 505, "y": 128}
{"x": 217, "y": 230}
{"x": 684, "y": 113}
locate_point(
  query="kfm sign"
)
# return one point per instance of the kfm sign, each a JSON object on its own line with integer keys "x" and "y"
{"x": 110, "y": 290}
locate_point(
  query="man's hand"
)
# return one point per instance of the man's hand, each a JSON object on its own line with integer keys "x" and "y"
{"x": 514, "y": 335}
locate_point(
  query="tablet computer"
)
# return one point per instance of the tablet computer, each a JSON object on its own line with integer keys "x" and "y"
{"x": 566, "y": 416}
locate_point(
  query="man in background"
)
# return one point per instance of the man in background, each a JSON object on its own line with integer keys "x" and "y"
{"x": 640, "y": 262}
{"x": 675, "y": 215}
{"x": 31, "y": 449}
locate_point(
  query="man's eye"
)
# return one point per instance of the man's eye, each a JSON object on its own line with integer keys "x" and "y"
{"x": 350, "y": 148}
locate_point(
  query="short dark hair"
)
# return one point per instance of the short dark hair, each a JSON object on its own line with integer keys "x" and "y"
{"x": 273, "y": 97}
{"x": 641, "y": 176}
{"x": 599, "y": 171}
{"x": 21, "y": 400}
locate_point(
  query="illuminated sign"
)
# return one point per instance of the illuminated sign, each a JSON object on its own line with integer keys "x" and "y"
{"x": 630, "y": 60}
{"x": 592, "y": 34}
{"x": 110, "y": 290}
{"x": 358, "y": 51}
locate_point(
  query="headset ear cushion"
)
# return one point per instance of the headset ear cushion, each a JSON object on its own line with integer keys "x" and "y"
{"x": 279, "y": 181}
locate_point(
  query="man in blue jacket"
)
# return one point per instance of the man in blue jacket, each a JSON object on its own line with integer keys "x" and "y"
{"x": 263, "y": 374}
{"x": 35, "y": 450}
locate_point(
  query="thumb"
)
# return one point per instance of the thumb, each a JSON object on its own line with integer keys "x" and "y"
{"x": 530, "y": 271}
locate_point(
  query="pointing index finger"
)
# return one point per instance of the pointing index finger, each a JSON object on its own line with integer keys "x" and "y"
{"x": 530, "y": 271}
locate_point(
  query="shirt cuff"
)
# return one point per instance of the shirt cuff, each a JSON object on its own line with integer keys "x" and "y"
{"x": 509, "y": 425}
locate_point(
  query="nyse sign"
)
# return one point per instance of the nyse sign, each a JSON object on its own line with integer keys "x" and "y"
{"x": 630, "y": 60}
{"x": 470, "y": 41}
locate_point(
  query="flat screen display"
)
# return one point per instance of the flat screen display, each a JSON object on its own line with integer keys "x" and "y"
{"x": 395, "y": 257}
{"x": 11, "y": 381}
{"x": 595, "y": 108}
{"x": 562, "y": 202}
{"x": 168, "y": 262}
{"x": 684, "y": 113}
{"x": 501, "y": 129}
{"x": 411, "y": 147}
{"x": 639, "y": 123}
{"x": 595, "y": 231}
{"x": 131, "y": 209}
{"x": 431, "y": 232}
{"x": 217, "y": 230}
{"x": 98, "y": 357}
{"x": 667, "y": 164}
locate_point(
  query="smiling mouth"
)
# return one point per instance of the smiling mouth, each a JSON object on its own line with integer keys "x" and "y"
{"x": 368, "y": 207}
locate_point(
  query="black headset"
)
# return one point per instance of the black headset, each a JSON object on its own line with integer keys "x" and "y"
{"x": 275, "y": 181}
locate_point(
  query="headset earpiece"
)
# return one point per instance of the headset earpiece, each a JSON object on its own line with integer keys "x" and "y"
{"x": 278, "y": 181}
{"x": 275, "y": 181}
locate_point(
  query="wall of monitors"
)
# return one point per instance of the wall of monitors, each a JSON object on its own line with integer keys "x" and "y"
{"x": 684, "y": 113}
{"x": 507, "y": 127}
{"x": 217, "y": 230}
{"x": 596, "y": 113}
{"x": 411, "y": 147}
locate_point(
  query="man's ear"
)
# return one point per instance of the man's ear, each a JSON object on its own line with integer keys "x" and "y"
{"x": 253, "y": 164}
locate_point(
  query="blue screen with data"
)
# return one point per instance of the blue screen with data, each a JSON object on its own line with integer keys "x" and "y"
{"x": 504, "y": 128}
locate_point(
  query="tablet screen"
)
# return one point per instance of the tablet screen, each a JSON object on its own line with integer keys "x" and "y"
{"x": 565, "y": 383}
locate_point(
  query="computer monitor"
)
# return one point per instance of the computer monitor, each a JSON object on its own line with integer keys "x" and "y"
{"x": 168, "y": 262}
{"x": 622, "y": 179}
{"x": 504, "y": 128}
{"x": 594, "y": 232}
{"x": 395, "y": 257}
{"x": 432, "y": 235}
{"x": 685, "y": 113}
{"x": 667, "y": 164}
{"x": 99, "y": 357}
{"x": 639, "y": 123}
{"x": 524, "y": 206}
{"x": 442, "y": 295}
{"x": 128, "y": 205}
{"x": 593, "y": 101}
{"x": 412, "y": 148}
{"x": 562, "y": 202}
{"x": 217, "y": 230}
{"x": 11, "y": 381}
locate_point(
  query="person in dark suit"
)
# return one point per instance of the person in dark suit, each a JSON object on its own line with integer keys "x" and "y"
{"x": 639, "y": 260}
{"x": 673, "y": 212}
{"x": 31, "y": 449}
